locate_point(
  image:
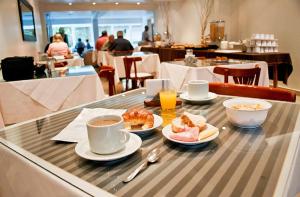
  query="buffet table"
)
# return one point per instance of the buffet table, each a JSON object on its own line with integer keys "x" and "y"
{"x": 280, "y": 62}
{"x": 28, "y": 99}
{"x": 240, "y": 162}
{"x": 180, "y": 74}
{"x": 149, "y": 63}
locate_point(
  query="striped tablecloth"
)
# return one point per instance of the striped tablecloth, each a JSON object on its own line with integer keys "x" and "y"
{"x": 240, "y": 162}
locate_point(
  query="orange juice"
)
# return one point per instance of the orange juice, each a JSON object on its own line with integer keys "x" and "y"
{"x": 167, "y": 99}
{"x": 168, "y": 116}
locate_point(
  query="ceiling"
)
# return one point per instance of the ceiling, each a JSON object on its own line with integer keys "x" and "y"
{"x": 91, "y": 1}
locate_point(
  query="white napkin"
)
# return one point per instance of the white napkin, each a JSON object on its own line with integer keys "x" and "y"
{"x": 176, "y": 73}
{"x": 76, "y": 131}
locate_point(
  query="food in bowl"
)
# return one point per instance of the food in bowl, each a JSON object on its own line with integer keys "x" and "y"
{"x": 136, "y": 119}
{"x": 249, "y": 107}
{"x": 247, "y": 112}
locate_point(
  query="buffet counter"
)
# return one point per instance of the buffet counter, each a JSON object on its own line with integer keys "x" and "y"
{"x": 280, "y": 62}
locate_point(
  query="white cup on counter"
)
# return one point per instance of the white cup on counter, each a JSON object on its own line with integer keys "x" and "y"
{"x": 224, "y": 45}
{"x": 105, "y": 134}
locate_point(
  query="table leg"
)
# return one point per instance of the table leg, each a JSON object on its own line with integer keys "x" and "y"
{"x": 275, "y": 75}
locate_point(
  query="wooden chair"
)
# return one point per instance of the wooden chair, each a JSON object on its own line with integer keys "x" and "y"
{"x": 252, "y": 91}
{"x": 240, "y": 76}
{"x": 89, "y": 58}
{"x": 108, "y": 72}
{"x": 135, "y": 77}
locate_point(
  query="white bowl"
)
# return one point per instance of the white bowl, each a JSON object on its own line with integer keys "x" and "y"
{"x": 246, "y": 118}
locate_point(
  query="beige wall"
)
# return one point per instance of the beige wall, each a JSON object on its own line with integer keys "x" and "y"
{"x": 243, "y": 17}
{"x": 280, "y": 17}
{"x": 11, "y": 40}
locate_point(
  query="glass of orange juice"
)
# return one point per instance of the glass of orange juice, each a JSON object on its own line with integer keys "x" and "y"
{"x": 167, "y": 99}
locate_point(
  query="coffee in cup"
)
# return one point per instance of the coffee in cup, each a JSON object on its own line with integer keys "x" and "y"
{"x": 197, "y": 89}
{"x": 105, "y": 134}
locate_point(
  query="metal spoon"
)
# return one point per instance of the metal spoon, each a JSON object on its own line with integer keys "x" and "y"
{"x": 152, "y": 157}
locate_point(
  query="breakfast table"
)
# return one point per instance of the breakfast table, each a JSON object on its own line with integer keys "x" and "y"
{"x": 67, "y": 87}
{"x": 149, "y": 63}
{"x": 239, "y": 162}
{"x": 180, "y": 73}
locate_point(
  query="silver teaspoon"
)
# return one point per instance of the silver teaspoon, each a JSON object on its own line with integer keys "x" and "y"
{"x": 152, "y": 157}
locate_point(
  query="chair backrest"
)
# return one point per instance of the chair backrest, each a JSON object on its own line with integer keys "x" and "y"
{"x": 108, "y": 72}
{"x": 246, "y": 76}
{"x": 252, "y": 91}
{"x": 89, "y": 58}
{"x": 128, "y": 64}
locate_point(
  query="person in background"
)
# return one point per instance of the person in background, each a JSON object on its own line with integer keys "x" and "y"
{"x": 101, "y": 41}
{"x": 47, "y": 46}
{"x": 145, "y": 36}
{"x": 58, "y": 47}
{"x": 110, "y": 41}
{"x": 80, "y": 47}
{"x": 88, "y": 45}
{"x": 61, "y": 31}
{"x": 121, "y": 44}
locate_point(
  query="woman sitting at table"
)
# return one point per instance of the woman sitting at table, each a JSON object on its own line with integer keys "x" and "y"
{"x": 58, "y": 47}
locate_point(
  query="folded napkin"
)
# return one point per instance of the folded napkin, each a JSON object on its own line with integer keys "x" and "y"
{"x": 175, "y": 73}
{"x": 51, "y": 93}
{"x": 76, "y": 131}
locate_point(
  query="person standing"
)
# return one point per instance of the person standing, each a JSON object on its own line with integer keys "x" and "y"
{"x": 80, "y": 47}
{"x": 121, "y": 44}
{"x": 101, "y": 41}
{"x": 145, "y": 35}
{"x": 88, "y": 45}
{"x": 61, "y": 31}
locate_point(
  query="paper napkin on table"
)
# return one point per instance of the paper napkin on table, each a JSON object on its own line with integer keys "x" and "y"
{"x": 76, "y": 131}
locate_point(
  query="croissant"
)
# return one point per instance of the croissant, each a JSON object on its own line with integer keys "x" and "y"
{"x": 138, "y": 118}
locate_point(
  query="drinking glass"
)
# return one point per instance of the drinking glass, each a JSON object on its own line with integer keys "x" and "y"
{"x": 167, "y": 99}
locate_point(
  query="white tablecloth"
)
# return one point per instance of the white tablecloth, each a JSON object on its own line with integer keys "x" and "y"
{"x": 28, "y": 99}
{"x": 149, "y": 64}
{"x": 180, "y": 75}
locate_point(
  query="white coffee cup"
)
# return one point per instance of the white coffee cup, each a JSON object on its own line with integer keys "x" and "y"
{"x": 197, "y": 89}
{"x": 105, "y": 134}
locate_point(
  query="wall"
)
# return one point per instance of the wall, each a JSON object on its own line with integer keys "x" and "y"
{"x": 243, "y": 17}
{"x": 280, "y": 17}
{"x": 11, "y": 40}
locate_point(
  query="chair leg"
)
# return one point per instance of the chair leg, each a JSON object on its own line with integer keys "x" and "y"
{"x": 134, "y": 83}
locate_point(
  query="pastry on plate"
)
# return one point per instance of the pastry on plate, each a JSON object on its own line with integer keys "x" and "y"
{"x": 138, "y": 119}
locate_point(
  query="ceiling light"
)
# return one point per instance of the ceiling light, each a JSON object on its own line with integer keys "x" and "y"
{"x": 138, "y": 3}
{"x": 94, "y": 3}
{"x": 117, "y": 3}
{"x": 70, "y": 3}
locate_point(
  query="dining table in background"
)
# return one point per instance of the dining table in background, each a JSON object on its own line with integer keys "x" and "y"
{"x": 280, "y": 63}
{"x": 179, "y": 73}
{"x": 28, "y": 99}
{"x": 149, "y": 63}
{"x": 240, "y": 162}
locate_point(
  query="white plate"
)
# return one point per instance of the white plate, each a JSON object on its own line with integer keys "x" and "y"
{"x": 167, "y": 131}
{"x": 157, "y": 122}
{"x": 83, "y": 150}
{"x": 211, "y": 96}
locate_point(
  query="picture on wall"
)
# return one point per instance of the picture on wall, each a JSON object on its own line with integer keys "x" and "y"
{"x": 27, "y": 20}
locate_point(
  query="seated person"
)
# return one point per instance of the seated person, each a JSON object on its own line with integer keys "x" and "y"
{"x": 120, "y": 44}
{"x": 80, "y": 47}
{"x": 110, "y": 41}
{"x": 58, "y": 47}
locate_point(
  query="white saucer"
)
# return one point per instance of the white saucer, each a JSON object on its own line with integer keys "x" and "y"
{"x": 211, "y": 96}
{"x": 157, "y": 122}
{"x": 167, "y": 131}
{"x": 83, "y": 150}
